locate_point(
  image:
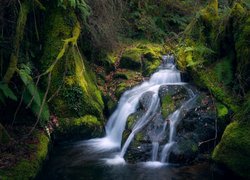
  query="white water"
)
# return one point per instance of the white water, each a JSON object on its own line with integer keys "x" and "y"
{"x": 129, "y": 101}
{"x": 167, "y": 75}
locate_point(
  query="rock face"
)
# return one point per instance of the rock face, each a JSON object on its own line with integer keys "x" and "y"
{"x": 192, "y": 132}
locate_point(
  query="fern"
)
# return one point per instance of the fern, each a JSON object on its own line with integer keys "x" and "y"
{"x": 32, "y": 94}
{"x": 79, "y": 5}
{"x": 83, "y": 9}
{"x": 6, "y": 92}
{"x": 196, "y": 51}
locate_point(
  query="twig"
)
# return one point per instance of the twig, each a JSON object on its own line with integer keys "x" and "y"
{"x": 42, "y": 105}
{"x": 33, "y": 95}
{"x": 216, "y": 126}
{"x": 18, "y": 107}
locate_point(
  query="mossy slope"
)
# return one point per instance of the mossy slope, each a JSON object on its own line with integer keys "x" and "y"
{"x": 28, "y": 168}
{"x": 234, "y": 148}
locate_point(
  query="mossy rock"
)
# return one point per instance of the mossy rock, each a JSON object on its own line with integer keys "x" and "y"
{"x": 121, "y": 88}
{"x": 234, "y": 148}
{"x": 87, "y": 126}
{"x": 142, "y": 56}
{"x": 171, "y": 97}
{"x": 29, "y": 168}
{"x": 71, "y": 76}
{"x": 131, "y": 59}
{"x": 208, "y": 79}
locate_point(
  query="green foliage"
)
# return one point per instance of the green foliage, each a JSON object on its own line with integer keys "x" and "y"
{"x": 224, "y": 71}
{"x": 79, "y": 5}
{"x": 222, "y": 110}
{"x": 31, "y": 96}
{"x": 6, "y": 92}
{"x": 154, "y": 21}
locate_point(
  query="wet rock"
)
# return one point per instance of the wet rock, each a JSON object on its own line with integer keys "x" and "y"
{"x": 172, "y": 96}
{"x": 145, "y": 100}
{"x": 194, "y": 133}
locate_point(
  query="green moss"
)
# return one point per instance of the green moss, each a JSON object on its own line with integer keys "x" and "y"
{"x": 234, "y": 148}
{"x": 208, "y": 79}
{"x": 86, "y": 126}
{"x": 243, "y": 115}
{"x": 28, "y": 168}
{"x": 142, "y": 56}
{"x": 222, "y": 110}
{"x": 131, "y": 59}
{"x": 167, "y": 106}
{"x": 224, "y": 71}
{"x": 121, "y": 88}
{"x": 131, "y": 121}
{"x": 71, "y": 74}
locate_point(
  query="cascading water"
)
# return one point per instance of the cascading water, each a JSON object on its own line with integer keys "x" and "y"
{"x": 167, "y": 74}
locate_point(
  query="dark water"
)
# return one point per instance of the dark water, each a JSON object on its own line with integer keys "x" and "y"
{"x": 77, "y": 161}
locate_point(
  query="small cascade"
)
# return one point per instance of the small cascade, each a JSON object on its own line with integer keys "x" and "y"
{"x": 167, "y": 74}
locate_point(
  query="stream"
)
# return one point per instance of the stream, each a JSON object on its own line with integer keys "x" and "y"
{"x": 77, "y": 161}
{"x": 105, "y": 158}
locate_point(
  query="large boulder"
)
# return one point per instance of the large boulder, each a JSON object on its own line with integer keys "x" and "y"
{"x": 195, "y": 133}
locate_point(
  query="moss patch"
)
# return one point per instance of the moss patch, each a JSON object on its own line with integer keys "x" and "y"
{"x": 167, "y": 106}
{"x": 72, "y": 78}
{"x": 234, "y": 148}
{"x": 28, "y": 168}
{"x": 84, "y": 127}
{"x": 142, "y": 56}
{"x": 222, "y": 110}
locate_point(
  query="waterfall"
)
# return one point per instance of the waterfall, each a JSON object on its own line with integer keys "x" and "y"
{"x": 129, "y": 101}
{"x": 167, "y": 74}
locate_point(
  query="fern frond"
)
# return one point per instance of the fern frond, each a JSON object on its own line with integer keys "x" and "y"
{"x": 32, "y": 94}
{"x": 7, "y": 92}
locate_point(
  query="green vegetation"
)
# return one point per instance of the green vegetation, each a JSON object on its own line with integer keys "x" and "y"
{"x": 167, "y": 106}
{"x": 84, "y": 127}
{"x": 233, "y": 150}
{"x": 28, "y": 168}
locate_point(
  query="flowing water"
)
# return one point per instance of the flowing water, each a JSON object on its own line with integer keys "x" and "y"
{"x": 103, "y": 158}
{"x": 167, "y": 74}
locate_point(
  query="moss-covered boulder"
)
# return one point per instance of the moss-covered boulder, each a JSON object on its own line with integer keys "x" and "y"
{"x": 195, "y": 133}
{"x": 234, "y": 148}
{"x": 171, "y": 96}
{"x": 84, "y": 127}
{"x": 143, "y": 57}
{"x": 131, "y": 59}
{"x": 72, "y": 83}
{"x": 29, "y": 168}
